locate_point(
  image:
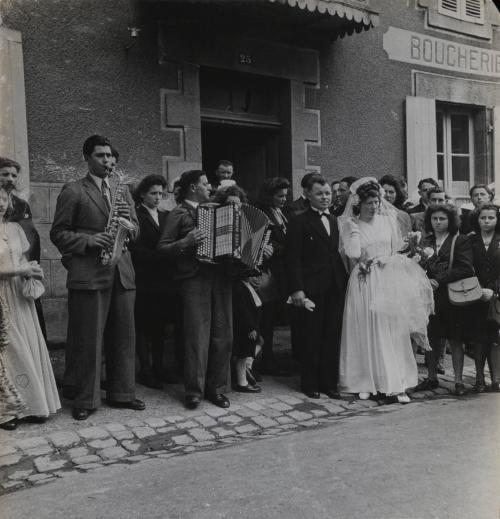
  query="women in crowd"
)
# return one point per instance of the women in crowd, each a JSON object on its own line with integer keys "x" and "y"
{"x": 26, "y": 358}
{"x": 272, "y": 201}
{"x": 485, "y": 245}
{"x": 394, "y": 195}
{"x": 247, "y": 307}
{"x": 156, "y": 302}
{"x": 388, "y": 299}
{"x": 448, "y": 322}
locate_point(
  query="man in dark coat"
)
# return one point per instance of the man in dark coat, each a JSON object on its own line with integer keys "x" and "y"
{"x": 317, "y": 280}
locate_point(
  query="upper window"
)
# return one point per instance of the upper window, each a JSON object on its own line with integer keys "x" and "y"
{"x": 466, "y": 10}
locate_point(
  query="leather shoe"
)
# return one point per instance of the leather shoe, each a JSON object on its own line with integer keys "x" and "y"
{"x": 35, "y": 419}
{"x": 11, "y": 425}
{"x": 219, "y": 400}
{"x": 136, "y": 405}
{"x": 333, "y": 393}
{"x": 312, "y": 394}
{"x": 192, "y": 401}
{"x": 459, "y": 389}
{"x": 248, "y": 388}
{"x": 81, "y": 414}
{"x": 426, "y": 385}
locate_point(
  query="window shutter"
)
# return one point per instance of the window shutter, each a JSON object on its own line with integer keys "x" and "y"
{"x": 467, "y": 10}
{"x": 473, "y": 11}
{"x": 496, "y": 149}
{"x": 421, "y": 147}
{"x": 449, "y": 8}
{"x": 13, "y": 127}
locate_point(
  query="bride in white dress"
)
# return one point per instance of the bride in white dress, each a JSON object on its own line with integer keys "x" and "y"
{"x": 25, "y": 357}
{"x": 388, "y": 301}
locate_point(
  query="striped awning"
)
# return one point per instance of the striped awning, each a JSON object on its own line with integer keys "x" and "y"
{"x": 354, "y": 12}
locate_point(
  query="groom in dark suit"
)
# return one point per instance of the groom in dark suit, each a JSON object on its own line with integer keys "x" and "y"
{"x": 317, "y": 281}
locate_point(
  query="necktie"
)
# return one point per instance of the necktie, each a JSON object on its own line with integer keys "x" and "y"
{"x": 105, "y": 194}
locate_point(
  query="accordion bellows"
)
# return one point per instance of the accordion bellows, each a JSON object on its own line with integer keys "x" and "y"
{"x": 233, "y": 232}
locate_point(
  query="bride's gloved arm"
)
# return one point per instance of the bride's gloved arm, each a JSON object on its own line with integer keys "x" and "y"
{"x": 352, "y": 244}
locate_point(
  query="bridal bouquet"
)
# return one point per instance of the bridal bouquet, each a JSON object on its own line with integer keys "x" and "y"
{"x": 415, "y": 249}
{"x": 366, "y": 266}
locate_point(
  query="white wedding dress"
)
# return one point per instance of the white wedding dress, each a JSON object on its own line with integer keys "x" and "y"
{"x": 26, "y": 358}
{"x": 384, "y": 308}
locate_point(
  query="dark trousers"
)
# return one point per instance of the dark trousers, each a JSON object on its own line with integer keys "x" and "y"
{"x": 320, "y": 346}
{"x": 101, "y": 320}
{"x": 208, "y": 334}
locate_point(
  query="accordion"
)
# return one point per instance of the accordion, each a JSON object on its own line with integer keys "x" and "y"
{"x": 234, "y": 232}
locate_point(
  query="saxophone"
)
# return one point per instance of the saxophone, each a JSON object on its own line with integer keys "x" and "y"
{"x": 117, "y": 227}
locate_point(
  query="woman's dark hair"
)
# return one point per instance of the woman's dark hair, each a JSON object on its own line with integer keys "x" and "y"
{"x": 186, "y": 179}
{"x": 449, "y": 210}
{"x": 5, "y": 187}
{"x": 394, "y": 182}
{"x": 146, "y": 184}
{"x": 222, "y": 194}
{"x": 270, "y": 187}
{"x": 368, "y": 190}
{"x": 474, "y": 217}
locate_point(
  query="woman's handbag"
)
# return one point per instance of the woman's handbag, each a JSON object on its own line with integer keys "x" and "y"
{"x": 466, "y": 291}
{"x": 494, "y": 309}
{"x": 33, "y": 288}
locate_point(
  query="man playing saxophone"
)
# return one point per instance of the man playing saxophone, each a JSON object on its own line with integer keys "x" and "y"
{"x": 100, "y": 296}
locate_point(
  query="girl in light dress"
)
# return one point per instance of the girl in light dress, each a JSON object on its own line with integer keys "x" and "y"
{"x": 388, "y": 300}
{"x": 25, "y": 356}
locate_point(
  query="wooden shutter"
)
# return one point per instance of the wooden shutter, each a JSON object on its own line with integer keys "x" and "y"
{"x": 449, "y": 8}
{"x": 13, "y": 127}
{"x": 473, "y": 11}
{"x": 467, "y": 10}
{"x": 421, "y": 148}
{"x": 496, "y": 149}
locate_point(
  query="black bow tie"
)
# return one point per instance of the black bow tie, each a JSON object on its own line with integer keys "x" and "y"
{"x": 326, "y": 215}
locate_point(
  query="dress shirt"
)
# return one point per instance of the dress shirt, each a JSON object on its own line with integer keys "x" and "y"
{"x": 105, "y": 190}
{"x": 325, "y": 220}
{"x": 192, "y": 203}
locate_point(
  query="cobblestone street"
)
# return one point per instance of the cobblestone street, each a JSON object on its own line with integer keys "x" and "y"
{"x": 40, "y": 454}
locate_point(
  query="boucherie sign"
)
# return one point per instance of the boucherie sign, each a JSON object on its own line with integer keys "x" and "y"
{"x": 420, "y": 49}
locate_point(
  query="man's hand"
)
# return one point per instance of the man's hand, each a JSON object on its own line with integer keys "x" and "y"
{"x": 253, "y": 335}
{"x": 267, "y": 251}
{"x": 101, "y": 240}
{"x": 194, "y": 237}
{"x": 434, "y": 284}
{"x": 298, "y": 298}
{"x": 123, "y": 209}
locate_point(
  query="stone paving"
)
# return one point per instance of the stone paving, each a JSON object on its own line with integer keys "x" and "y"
{"x": 34, "y": 460}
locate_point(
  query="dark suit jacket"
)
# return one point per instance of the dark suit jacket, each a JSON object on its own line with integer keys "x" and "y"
{"x": 312, "y": 257}
{"x": 298, "y": 206}
{"x": 276, "y": 263}
{"x": 81, "y": 212}
{"x": 419, "y": 208}
{"x": 180, "y": 221}
{"x": 21, "y": 213}
{"x": 465, "y": 221}
{"x": 153, "y": 272}
{"x": 484, "y": 260}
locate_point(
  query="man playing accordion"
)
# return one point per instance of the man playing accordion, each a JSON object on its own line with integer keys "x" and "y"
{"x": 207, "y": 297}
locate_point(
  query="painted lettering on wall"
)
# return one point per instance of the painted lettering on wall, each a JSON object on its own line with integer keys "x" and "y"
{"x": 421, "y": 49}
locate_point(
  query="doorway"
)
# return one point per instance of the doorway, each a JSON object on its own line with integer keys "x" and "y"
{"x": 245, "y": 119}
{"x": 254, "y": 153}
